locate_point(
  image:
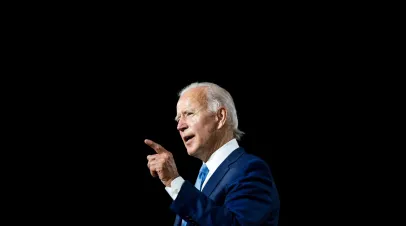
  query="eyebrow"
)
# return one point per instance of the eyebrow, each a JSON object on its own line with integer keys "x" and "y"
{"x": 181, "y": 113}
{"x": 178, "y": 115}
{"x": 190, "y": 110}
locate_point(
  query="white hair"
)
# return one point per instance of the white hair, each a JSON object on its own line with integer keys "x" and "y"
{"x": 219, "y": 97}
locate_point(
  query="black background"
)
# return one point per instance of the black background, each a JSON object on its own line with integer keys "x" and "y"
{"x": 86, "y": 120}
{"x": 93, "y": 164}
{"x": 85, "y": 91}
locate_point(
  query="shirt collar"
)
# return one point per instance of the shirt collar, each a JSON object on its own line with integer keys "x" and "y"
{"x": 221, "y": 154}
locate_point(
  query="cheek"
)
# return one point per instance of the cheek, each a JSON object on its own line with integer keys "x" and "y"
{"x": 193, "y": 121}
{"x": 207, "y": 129}
{"x": 202, "y": 126}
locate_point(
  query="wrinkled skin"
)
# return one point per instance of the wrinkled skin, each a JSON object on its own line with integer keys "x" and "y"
{"x": 206, "y": 130}
{"x": 161, "y": 164}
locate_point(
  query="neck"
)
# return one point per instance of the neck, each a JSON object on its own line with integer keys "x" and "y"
{"x": 225, "y": 138}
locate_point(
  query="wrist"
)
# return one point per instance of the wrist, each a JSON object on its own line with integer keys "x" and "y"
{"x": 168, "y": 183}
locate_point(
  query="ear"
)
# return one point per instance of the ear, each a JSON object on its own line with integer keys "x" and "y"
{"x": 221, "y": 117}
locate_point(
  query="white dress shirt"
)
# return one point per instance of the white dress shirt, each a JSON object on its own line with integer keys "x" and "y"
{"x": 213, "y": 163}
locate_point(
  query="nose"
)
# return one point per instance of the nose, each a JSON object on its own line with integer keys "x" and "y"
{"x": 182, "y": 126}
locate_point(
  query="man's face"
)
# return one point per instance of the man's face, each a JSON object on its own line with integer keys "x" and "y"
{"x": 196, "y": 125}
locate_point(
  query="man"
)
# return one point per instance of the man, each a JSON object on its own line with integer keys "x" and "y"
{"x": 233, "y": 187}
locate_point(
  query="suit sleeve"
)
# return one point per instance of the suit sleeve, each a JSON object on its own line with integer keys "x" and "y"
{"x": 248, "y": 200}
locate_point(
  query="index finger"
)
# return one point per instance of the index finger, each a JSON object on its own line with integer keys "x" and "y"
{"x": 157, "y": 147}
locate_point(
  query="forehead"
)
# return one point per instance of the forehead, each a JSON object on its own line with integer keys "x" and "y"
{"x": 193, "y": 98}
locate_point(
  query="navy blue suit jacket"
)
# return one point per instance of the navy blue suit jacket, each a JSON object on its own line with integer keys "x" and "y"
{"x": 240, "y": 192}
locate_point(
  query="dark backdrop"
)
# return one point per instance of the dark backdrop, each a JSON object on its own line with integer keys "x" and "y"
{"x": 92, "y": 161}
{"x": 85, "y": 103}
{"x": 99, "y": 168}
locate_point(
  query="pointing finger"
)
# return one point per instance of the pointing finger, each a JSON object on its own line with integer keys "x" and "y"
{"x": 157, "y": 147}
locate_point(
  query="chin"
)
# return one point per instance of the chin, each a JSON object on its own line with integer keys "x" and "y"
{"x": 191, "y": 152}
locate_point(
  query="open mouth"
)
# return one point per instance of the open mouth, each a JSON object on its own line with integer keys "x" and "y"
{"x": 187, "y": 138}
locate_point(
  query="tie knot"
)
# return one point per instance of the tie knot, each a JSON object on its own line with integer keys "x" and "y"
{"x": 204, "y": 170}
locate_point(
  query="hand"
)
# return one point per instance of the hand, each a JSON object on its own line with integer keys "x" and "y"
{"x": 161, "y": 164}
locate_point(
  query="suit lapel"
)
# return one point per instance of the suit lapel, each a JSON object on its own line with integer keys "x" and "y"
{"x": 221, "y": 171}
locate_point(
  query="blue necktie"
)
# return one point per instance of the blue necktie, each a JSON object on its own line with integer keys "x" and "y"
{"x": 199, "y": 181}
{"x": 202, "y": 176}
